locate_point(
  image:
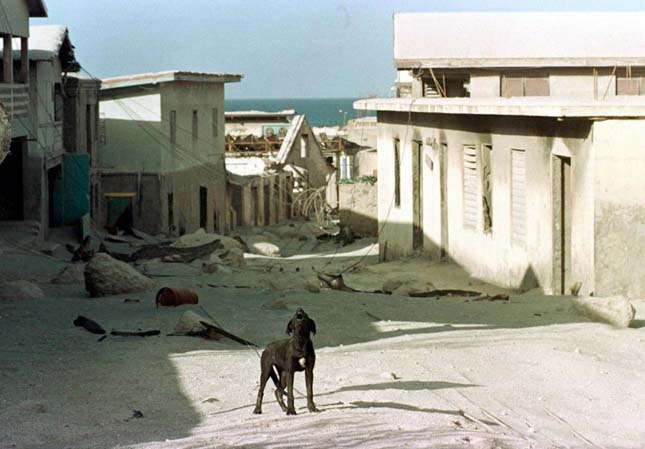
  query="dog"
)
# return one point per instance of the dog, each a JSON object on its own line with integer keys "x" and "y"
{"x": 286, "y": 357}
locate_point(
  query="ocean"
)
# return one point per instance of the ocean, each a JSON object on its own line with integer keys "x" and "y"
{"x": 319, "y": 111}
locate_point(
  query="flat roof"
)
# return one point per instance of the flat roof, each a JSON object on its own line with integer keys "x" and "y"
{"x": 260, "y": 114}
{"x": 618, "y": 107}
{"x": 518, "y": 39}
{"x": 148, "y": 79}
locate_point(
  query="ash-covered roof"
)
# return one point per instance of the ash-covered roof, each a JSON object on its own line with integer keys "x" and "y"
{"x": 148, "y": 79}
{"x": 518, "y": 39}
{"x": 47, "y": 42}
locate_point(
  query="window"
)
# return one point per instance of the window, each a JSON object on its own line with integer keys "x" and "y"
{"x": 471, "y": 186}
{"x": 525, "y": 85}
{"x": 195, "y": 127}
{"x": 446, "y": 85}
{"x": 518, "y": 197}
{"x": 631, "y": 82}
{"x": 303, "y": 145}
{"x": 214, "y": 122}
{"x": 397, "y": 173}
{"x": 487, "y": 187}
{"x": 173, "y": 127}
{"x": 58, "y": 102}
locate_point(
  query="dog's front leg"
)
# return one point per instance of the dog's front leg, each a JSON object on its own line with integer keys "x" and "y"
{"x": 309, "y": 380}
{"x": 291, "y": 409}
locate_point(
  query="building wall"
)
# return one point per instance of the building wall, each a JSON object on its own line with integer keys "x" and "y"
{"x": 491, "y": 256}
{"x": 146, "y": 197}
{"x": 619, "y": 207}
{"x": 135, "y": 139}
{"x": 358, "y": 208}
{"x": 17, "y": 14}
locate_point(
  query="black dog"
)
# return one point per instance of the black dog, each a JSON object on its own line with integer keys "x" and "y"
{"x": 288, "y": 356}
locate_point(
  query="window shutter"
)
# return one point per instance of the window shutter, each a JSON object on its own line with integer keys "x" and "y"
{"x": 536, "y": 86}
{"x": 518, "y": 196}
{"x": 471, "y": 187}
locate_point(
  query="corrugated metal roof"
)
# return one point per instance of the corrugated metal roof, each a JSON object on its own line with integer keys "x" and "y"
{"x": 518, "y": 39}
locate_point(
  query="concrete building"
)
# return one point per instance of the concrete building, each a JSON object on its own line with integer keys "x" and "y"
{"x": 81, "y": 144}
{"x": 21, "y": 174}
{"x": 258, "y": 123}
{"x": 520, "y": 154}
{"x": 162, "y": 160}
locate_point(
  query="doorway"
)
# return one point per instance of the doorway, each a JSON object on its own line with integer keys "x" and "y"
{"x": 203, "y": 207}
{"x": 562, "y": 193}
{"x": 11, "y": 181}
{"x": 417, "y": 195}
{"x": 443, "y": 197}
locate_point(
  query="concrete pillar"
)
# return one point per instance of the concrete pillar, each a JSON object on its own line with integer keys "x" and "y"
{"x": 24, "y": 60}
{"x": 7, "y": 58}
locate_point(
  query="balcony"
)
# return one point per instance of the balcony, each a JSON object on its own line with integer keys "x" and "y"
{"x": 14, "y": 98}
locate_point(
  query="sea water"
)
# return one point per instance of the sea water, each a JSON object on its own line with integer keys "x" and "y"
{"x": 319, "y": 111}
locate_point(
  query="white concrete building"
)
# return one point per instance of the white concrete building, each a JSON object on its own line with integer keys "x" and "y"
{"x": 520, "y": 153}
{"x": 162, "y": 161}
{"x": 22, "y": 182}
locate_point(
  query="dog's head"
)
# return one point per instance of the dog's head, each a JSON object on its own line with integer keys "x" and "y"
{"x": 301, "y": 324}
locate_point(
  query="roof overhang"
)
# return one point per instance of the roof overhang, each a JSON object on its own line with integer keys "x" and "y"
{"x": 518, "y": 39}
{"x": 620, "y": 107}
{"x": 37, "y": 8}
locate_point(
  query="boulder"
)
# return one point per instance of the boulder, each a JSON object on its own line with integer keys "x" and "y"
{"x": 289, "y": 232}
{"x": 189, "y": 323}
{"x": 234, "y": 257}
{"x": 105, "y": 276}
{"x": 405, "y": 285}
{"x": 20, "y": 290}
{"x": 312, "y": 286}
{"x": 614, "y": 310}
{"x": 71, "y": 274}
{"x": 198, "y": 238}
{"x": 259, "y": 244}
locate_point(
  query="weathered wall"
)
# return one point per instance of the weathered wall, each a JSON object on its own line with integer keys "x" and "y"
{"x": 488, "y": 255}
{"x": 619, "y": 201}
{"x": 17, "y": 15}
{"x": 146, "y": 212}
{"x": 358, "y": 208}
{"x": 134, "y": 138}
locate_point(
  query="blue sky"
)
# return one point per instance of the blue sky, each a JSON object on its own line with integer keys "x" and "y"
{"x": 284, "y": 49}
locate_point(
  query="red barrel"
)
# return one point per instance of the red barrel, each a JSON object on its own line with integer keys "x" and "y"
{"x": 173, "y": 297}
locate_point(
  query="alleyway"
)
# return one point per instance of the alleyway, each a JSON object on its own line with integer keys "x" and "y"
{"x": 392, "y": 371}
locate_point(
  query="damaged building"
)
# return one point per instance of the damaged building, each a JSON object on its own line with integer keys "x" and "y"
{"x": 267, "y": 173}
{"x": 519, "y": 153}
{"x": 162, "y": 155}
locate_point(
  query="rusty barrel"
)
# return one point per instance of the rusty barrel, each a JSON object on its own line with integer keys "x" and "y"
{"x": 173, "y": 297}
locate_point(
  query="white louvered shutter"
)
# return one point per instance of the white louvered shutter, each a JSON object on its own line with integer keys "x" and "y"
{"x": 471, "y": 187}
{"x": 518, "y": 196}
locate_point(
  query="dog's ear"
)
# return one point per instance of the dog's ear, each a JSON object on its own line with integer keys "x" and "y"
{"x": 312, "y": 326}
{"x": 289, "y": 330}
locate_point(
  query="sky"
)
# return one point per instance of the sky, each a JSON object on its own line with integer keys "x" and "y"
{"x": 284, "y": 48}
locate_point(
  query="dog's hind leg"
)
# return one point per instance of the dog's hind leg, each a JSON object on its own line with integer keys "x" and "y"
{"x": 280, "y": 385}
{"x": 266, "y": 372}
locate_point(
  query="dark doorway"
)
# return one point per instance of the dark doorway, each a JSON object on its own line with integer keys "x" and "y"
{"x": 417, "y": 195}
{"x": 267, "y": 204}
{"x": 236, "y": 203}
{"x": 171, "y": 212}
{"x": 562, "y": 193}
{"x": 11, "y": 196}
{"x": 203, "y": 207}
{"x": 443, "y": 197}
{"x": 55, "y": 192}
{"x": 255, "y": 201}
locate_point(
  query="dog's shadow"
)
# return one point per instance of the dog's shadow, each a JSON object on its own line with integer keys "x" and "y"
{"x": 408, "y": 385}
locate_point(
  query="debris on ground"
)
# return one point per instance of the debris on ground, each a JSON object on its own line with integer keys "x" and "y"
{"x": 173, "y": 297}
{"x": 312, "y": 286}
{"x": 168, "y": 253}
{"x": 89, "y": 325}
{"x": 136, "y": 414}
{"x": 336, "y": 282}
{"x": 446, "y": 293}
{"x": 106, "y": 276}
{"x": 193, "y": 325}
{"x": 83, "y": 252}
{"x": 20, "y": 290}
{"x": 615, "y": 310}
{"x": 71, "y": 274}
{"x": 498, "y": 297}
{"x": 233, "y": 257}
{"x": 135, "y": 333}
